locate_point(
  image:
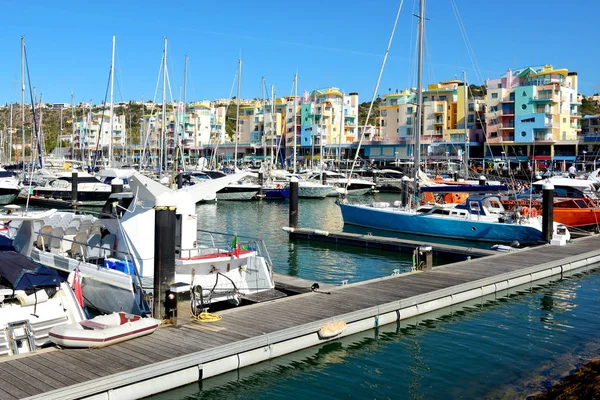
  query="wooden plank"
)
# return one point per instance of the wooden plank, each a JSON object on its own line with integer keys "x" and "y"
{"x": 19, "y": 383}
{"x": 62, "y": 362}
{"x": 40, "y": 377}
{"x": 38, "y": 364}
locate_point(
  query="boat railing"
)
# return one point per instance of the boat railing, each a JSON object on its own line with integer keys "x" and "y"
{"x": 210, "y": 242}
{"x": 102, "y": 254}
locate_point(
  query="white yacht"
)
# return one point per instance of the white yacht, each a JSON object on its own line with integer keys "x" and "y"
{"x": 9, "y": 187}
{"x": 115, "y": 251}
{"x": 33, "y": 300}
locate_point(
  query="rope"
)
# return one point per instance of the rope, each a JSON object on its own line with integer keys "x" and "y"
{"x": 206, "y": 317}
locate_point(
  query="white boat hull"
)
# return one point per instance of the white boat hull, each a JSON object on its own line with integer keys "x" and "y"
{"x": 103, "y": 331}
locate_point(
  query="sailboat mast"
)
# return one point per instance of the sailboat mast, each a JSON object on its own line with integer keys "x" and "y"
{"x": 294, "y": 121}
{"x": 112, "y": 84}
{"x": 23, "y": 102}
{"x": 417, "y": 164}
{"x": 273, "y": 126}
{"x": 73, "y": 125}
{"x": 263, "y": 112}
{"x": 10, "y": 136}
{"x": 237, "y": 115}
{"x": 163, "y": 132}
{"x": 341, "y": 132}
{"x": 466, "y": 155}
{"x": 185, "y": 68}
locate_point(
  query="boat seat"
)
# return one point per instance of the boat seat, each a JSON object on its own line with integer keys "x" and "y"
{"x": 73, "y": 227}
{"x": 89, "y": 324}
{"x": 78, "y": 246}
{"x": 57, "y": 238}
{"x": 65, "y": 220}
{"x": 108, "y": 244}
{"x": 92, "y": 249}
{"x": 43, "y": 240}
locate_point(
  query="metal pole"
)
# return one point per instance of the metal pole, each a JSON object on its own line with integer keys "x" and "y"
{"x": 466, "y": 155}
{"x": 23, "y": 102}
{"x": 112, "y": 82}
{"x": 237, "y": 115}
{"x": 417, "y": 163}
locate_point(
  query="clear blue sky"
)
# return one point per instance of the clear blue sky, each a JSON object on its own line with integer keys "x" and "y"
{"x": 329, "y": 42}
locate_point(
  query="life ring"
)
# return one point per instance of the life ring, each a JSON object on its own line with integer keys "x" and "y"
{"x": 534, "y": 212}
{"x": 525, "y": 211}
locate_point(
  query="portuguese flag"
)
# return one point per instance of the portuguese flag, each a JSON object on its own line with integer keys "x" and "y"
{"x": 235, "y": 246}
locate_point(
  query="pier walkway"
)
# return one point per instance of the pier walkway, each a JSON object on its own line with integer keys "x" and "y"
{"x": 175, "y": 356}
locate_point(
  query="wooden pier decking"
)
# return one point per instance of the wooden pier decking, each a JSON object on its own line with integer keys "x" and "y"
{"x": 175, "y": 356}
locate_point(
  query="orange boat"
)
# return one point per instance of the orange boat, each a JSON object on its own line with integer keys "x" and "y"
{"x": 581, "y": 213}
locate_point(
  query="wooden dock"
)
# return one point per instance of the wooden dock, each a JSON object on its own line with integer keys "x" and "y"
{"x": 387, "y": 243}
{"x": 175, "y": 356}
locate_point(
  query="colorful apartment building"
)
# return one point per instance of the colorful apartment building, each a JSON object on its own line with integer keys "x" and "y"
{"x": 325, "y": 117}
{"x": 93, "y": 132}
{"x": 532, "y": 115}
{"x": 443, "y": 122}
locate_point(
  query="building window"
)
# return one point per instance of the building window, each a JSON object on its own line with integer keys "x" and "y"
{"x": 499, "y": 86}
{"x": 384, "y": 113}
{"x": 409, "y": 121}
{"x": 409, "y": 110}
{"x": 471, "y": 107}
{"x": 494, "y": 95}
{"x": 409, "y": 131}
{"x": 564, "y": 120}
{"x": 471, "y": 118}
{"x": 442, "y": 97}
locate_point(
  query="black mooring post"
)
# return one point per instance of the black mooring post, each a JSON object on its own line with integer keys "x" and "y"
{"x": 179, "y": 181}
{"x": 261, "y": 182}
{"x": 116, "y": 185}
{"x": 548, "y": 212}
{"x": 482, "y": 180}
{"x": 405, "y": 191}
{"x": 74, "y": 184}
{"x": 164, "y": 257}
{"x": 293, "y": 203}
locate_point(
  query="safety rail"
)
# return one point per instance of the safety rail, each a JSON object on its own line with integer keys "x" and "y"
{"x": 211, "y": 242}
{"x": 109, "y": 252}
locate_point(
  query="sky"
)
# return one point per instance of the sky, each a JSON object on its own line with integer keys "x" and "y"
{"x": 339, "y": 43}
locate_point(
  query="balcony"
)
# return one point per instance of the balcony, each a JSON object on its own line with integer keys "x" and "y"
{"x": 543, "y": 136}
{"x": 545, "y": 99}
{"x": 592, "y": 137}
{"x": 507, "y": 126}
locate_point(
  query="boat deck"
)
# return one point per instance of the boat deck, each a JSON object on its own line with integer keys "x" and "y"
{"x": 188, "y": 353}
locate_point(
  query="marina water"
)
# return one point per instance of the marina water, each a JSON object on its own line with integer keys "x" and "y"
{"x": 504, "y": 346}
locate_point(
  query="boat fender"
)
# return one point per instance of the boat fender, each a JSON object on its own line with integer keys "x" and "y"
{"x": 525, "y": 211}
{"x": 533, "y": 212}
{"x": 278, "y": 186}
{"x": 34, "y": 298}
{"x": 332, "y": 329}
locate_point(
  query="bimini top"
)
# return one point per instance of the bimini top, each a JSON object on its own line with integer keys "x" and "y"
{"x": 19, "y": 272}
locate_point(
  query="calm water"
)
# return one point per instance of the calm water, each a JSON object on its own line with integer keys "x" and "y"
{"x": 501, "y": 348}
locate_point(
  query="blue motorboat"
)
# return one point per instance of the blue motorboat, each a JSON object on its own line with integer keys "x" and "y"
{"x": 481, "y": 217}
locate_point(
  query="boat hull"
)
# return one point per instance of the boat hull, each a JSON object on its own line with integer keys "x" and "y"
{"x": 453, "y": 228}
{"x": 105, "y": 330}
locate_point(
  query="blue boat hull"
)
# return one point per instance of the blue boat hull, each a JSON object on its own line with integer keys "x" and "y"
{"x": 419, "y": 224}
{"x": 281, "y": 193}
